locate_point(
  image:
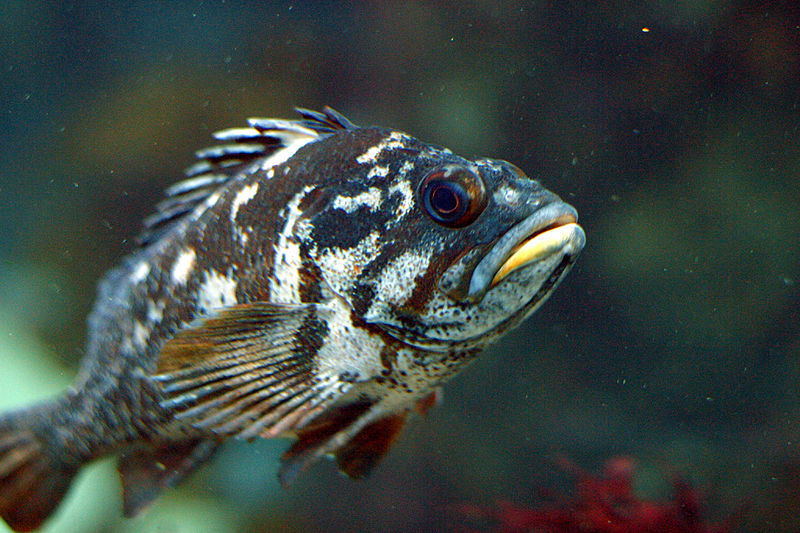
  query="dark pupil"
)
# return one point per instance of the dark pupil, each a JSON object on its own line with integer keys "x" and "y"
{"x": 444, "y": 199}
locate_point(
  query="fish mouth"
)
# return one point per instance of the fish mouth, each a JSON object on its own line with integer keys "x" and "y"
{"x": 550, "y": 230}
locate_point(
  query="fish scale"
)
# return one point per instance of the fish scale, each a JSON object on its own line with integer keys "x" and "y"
{"x": 310, "y": 279}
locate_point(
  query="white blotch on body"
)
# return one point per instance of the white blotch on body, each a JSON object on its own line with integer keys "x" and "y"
{"x": 247, "y": 193}
{"x": 141, "y": 334}
{"x": 399, "y": 278}
{"x": 242, "y": 197}
{"x": 182, "y": 266}
{"x": 403, "y": 188}
{"x": 405, "y": 168}
{"x": 216, "y": 291}
{"x": 342, "y": 265}
{"x": 347, "y": 347}
{"x": 378, "y": 171}
{"x": 392, "y": 141}
{"x": 140, "y": 272}
{"x": 284, "y": 284}
{"x": 155, "y": 311}
{"x": 494, "y": 164}
{"x": 371, "y": 199}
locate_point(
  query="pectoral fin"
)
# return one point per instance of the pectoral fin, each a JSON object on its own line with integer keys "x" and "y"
{"x": 248, "y": 370}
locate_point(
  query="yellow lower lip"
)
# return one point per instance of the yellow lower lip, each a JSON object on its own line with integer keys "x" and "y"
{"x": 536, "y": 248}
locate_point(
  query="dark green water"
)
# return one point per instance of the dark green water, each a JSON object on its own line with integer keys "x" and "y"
{"x": 675, "y": 340}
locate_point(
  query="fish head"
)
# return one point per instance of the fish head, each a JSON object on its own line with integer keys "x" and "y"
{"x": 437, "y": 250}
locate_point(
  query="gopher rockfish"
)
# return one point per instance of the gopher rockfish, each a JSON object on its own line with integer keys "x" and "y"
{"x": 309, "y": 278}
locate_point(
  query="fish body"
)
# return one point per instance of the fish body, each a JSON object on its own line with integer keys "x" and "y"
{"x": 310, "y": 278}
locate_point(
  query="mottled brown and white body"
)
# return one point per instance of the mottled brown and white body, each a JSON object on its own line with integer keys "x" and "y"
{"x": 310, "y": 278}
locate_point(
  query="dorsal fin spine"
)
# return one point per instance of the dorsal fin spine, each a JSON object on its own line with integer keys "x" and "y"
{"x": 237, "y": 134}
{"x": 266, "y": 142}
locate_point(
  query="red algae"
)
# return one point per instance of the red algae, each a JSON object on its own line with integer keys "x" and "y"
{"x": 604, "y": 503}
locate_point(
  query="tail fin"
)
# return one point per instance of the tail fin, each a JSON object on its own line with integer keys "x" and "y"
{"x": 32, "y": 483}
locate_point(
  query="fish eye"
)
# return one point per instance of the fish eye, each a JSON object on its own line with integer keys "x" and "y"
{"x": 453, "y": 196}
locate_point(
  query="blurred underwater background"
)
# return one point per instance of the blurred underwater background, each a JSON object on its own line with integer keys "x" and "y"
{"x": 673, "y": 128}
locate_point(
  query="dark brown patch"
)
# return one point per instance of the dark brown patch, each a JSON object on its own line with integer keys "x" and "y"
{"x": 388, "y": 357}
{"x": 424, "y": 289}
{"x": 310, "y": 289}
{"x": 148, "y": 470}
{"x": 314, "y": 201}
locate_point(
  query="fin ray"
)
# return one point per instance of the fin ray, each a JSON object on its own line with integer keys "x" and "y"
{"x": 204, "y": 384}
{"x": 214, "y": 379}
{"x": 245, "y": 369}
{"x": 239, "y": 400}
{"x": 261, "y": 407}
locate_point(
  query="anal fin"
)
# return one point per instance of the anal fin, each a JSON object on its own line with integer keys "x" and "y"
{"x": 148, "y": 469}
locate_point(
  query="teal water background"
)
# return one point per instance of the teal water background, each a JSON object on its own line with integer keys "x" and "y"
{"x": 673, "y": 127}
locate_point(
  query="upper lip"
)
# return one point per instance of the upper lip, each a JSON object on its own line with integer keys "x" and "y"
{"x": 552, "y": 215}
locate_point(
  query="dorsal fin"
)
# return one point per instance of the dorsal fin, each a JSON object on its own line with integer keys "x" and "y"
{"x": 265, "y": 143}
{"x": 324, "y": 121}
